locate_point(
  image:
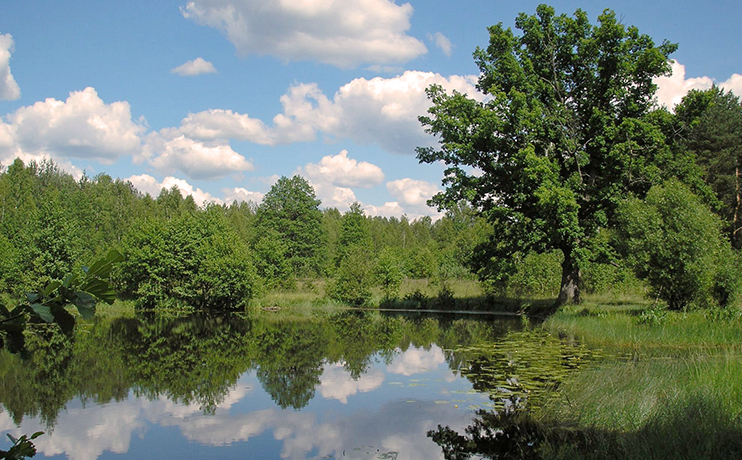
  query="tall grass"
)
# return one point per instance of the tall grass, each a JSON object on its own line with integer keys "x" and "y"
{"x": 671, "y": 388}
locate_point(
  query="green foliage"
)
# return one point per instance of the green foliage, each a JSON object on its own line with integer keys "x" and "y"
{"x": 196, "y": 260}
{"x": 389, "y": 273}
{"x": 562, "y": 136}
{"x": 51, "y": 303}
{"x": 356, "y": 263}
{"x": 354, "y": 231}
{"x": 674, "y": 242}
{"x": 710, "y": 123}
{"x": 354, "y": 278}
{"x": 271, "y": 262}
{"x": 22, "y": 447}
{"x": 291, "y": 209}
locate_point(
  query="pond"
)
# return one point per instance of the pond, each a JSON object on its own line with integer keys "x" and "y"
{"x": 351, "y": 385}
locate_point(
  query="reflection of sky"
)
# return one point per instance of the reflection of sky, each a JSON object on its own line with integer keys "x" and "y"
{"x": 417, "y": 360}
{"x": 390, "y": 408}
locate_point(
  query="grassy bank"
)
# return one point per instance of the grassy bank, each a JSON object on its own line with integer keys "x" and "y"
{"x": 670, "y": 389}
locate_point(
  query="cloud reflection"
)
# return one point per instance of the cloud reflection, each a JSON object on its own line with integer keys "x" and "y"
{"x": 337, "y": 383}
{"x": 399, "y": 425}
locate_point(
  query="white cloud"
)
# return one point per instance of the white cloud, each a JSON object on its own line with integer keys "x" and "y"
{"x": 9, "y": 89}
{"x": 241, "y": 194}
{"x": 148, "y": 184}
{"x": 380, "y": 110}
{"x": 224, "y": 124}
{"x": 83, "y": 126}
{"x": 442, "y": 42}
{"x": 334, "y": 175}
{"x": 199, "y": 160}
{"x": 197, "y": 66}
{"x": 671, "y": 89}
{"x": 342, "y": 171}
{"x": 412, "y": 192}
{"x": 388, "y": 209}
{"x": 343, "y": 33}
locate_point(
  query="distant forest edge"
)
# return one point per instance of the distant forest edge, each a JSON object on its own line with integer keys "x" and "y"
{"x": 215, "y": 256}
{"x": 680, "y": 242}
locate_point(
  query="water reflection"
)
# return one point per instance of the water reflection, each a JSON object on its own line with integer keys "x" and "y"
{"x": 350, "y": 385}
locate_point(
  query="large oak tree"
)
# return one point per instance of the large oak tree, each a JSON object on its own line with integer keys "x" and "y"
{"x": 560, "y": 139}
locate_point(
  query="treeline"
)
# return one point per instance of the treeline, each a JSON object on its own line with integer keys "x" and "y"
{"x": 215, "y": 256}
{"x": 683, "y": 240}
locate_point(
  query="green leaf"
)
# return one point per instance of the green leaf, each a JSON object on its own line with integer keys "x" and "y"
{"x": 85, "y": 304}
{"x": 69, "y": 280}
{"x": 102, "y": 267}
{"x": 100, "y": 289}
{"x": 43, "y": 311}
{"x": 51, "y": 287}
{"x": 64, "y": 319}
{"x": 37, "y": 434}
{"x": 32, "y": 297}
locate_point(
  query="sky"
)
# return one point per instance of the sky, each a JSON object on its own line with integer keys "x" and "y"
{"x": 223, "y": 97}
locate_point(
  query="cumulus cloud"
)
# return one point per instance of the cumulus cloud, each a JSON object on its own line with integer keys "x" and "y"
{"x": 197, "y": 66}
{"x": 412, "y": 192}
{"x": 241, "y": 194}
{"x": 9, "y": 89}
{"x": 83, "y": 126}
{"x": 225, "y": 124}
{"x": 342, "y": 171}
{"x": 380, "y": 110}
{"x": 442, "y": 42}
{"x": 344, "y": 33}
{"x": 388, "y": 209}
{"x": 411, "y": 200}
{"x": 671, "y": 89}
{"x": 334, "y": 175}
{"x": 199, "y": 160}
{"x": 148, "y": 184}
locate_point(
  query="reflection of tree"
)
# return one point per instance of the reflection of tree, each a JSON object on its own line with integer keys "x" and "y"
{"x": 289, "y": 358}
{"x": 190, "y": 359}
{"x": 198, "y": 358}
{"x": 41, "y": 384}
{"x": 358, "y": 336}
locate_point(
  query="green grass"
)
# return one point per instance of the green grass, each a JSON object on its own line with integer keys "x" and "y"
{"x": 670, "y": 387}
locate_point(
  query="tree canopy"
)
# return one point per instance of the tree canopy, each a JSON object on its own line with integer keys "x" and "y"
{"x": 561, "y": 135}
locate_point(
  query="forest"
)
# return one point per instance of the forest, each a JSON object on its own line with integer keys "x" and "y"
{"x": 176, "y": 253}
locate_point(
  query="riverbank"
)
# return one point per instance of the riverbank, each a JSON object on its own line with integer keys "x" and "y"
{"x": 670, "y": 389}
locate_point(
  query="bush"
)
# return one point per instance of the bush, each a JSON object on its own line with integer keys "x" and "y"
{"x": 194, "y": 260}
{"x": 354, "y": 278}
{"x": 674, "y": 242}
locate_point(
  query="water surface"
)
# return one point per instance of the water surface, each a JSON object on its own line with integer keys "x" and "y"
{"x": 351, "y": 385}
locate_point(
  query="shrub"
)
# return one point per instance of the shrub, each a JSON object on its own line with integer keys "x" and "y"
{"x": 194, "y": 260}
{"x": 354, "y": 278}
{"x": 674, "y": 242}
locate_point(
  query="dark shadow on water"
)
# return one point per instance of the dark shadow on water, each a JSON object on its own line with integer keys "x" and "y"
{"x": 695, "y": 429}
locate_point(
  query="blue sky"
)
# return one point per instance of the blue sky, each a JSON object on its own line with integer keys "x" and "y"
{"x": 222, "y": 97}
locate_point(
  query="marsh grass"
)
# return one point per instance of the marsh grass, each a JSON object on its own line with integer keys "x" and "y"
{"x": 670, "y": 389}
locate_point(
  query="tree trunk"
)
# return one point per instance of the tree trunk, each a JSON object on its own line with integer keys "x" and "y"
{"x": 570, "y": 289}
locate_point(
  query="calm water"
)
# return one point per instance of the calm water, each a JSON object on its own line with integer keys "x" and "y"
{"x": 347, "y": 385}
